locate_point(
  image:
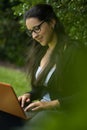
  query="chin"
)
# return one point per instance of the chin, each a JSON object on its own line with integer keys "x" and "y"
{"x": 43, "y": 44}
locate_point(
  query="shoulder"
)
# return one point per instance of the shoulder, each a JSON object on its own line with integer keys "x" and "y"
{"x": 74, "y": 48}
{"x": 73, "y": 57}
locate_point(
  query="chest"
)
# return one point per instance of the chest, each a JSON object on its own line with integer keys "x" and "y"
{"x": 45, "y": 59}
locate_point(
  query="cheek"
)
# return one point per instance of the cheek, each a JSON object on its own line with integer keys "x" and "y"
{"x": 46, "y": 34}
{"x": 46, "y": 38}
{"x": 49, "y": 34}
{"x": 47, "y": 31}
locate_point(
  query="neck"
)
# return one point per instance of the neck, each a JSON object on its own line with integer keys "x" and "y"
{"x": 53, "y": 42}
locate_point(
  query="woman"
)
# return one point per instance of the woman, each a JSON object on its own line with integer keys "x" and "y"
{"x": 54, "y": 59}
{"x": 43, "y": 29}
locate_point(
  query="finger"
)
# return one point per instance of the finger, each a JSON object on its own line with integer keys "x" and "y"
{"x": 19, "y": 99}
{"x": 30, "y": 106}
{"x": 27, "y": 100}
{"x": 22, "y": 103}
{"x": 24, "y": 99}
{"x": 36, "y": 108}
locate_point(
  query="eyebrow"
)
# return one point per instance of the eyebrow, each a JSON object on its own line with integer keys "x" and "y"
{"x": 36, "y": 25}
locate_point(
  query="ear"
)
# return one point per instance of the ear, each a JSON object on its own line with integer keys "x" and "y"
{"x": 52, "y": 23}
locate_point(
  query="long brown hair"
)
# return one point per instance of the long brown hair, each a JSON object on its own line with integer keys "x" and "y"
{"x": 36, "y": 51}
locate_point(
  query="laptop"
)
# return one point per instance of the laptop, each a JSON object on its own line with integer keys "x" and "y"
{"x": 9, "y": 102}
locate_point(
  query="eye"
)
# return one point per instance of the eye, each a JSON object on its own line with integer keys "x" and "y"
{"x": 36, "y": 28}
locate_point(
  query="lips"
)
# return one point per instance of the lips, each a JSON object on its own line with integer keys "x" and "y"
{"x": 39, "y": 39}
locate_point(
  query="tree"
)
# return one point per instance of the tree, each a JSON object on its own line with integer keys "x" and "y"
{"x": 12, "y": 39}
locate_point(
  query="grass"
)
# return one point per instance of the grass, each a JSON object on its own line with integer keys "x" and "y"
{"x": 16, "y": 78}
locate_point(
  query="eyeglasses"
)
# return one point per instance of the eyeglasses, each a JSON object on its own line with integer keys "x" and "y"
{"x": 35, "y": 29}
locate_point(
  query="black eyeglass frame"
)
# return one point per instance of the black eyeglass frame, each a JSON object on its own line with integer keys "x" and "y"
{"x": 35, "y": 29}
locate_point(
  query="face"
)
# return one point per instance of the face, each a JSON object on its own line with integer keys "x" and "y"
{"x": 41, "y": 31}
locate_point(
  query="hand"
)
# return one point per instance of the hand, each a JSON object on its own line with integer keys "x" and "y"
{"x": 24, "y": 99}
{"x": 42, "y": 105}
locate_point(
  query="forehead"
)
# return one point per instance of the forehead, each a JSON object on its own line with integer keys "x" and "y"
{"x": 31, "y": 22}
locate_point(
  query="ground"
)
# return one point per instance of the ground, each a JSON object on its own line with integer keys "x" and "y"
{"x": 10, "y": 65}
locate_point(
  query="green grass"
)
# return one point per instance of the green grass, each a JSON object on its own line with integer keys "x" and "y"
{"x": 16, "y": 78}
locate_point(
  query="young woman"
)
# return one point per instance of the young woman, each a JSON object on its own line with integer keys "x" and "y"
{"x": 56, "y": 66}
{"x": 53, "y": 62}
{"x": 41, "y": 23}
{"x": 51, "y": 56}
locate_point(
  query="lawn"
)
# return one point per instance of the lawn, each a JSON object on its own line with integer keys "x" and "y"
{"x": 16, "y": 78}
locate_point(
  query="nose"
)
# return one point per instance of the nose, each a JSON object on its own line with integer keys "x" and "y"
{"x": 34, "y": 35}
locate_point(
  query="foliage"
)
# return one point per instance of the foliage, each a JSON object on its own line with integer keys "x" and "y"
{"x": 12, "y": 39}
{"x": 73, "y": 14}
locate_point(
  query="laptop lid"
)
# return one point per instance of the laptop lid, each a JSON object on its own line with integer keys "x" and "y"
{"x": 9, "y": 102}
